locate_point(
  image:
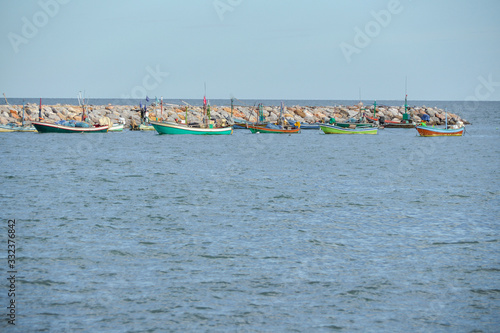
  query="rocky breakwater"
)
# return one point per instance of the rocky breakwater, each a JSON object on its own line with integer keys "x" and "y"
{"x": 302, "y": 114}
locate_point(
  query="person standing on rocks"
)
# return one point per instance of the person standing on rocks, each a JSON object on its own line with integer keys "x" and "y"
{"x": 142, "y": 115}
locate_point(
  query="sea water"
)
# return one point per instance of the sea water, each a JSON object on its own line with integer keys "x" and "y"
{"x": 136, "y": 232}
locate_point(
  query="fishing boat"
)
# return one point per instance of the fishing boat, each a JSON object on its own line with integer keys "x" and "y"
{"x": 14, "y": 127}
{"x": 400, "y": 125}
{"x": 435, "y": 131}
{"x": 6, "y": 128}
{"x": 145, "y": 127}
{"x": 373, "y": 119}
{"x": 333, "y": 129}
{"x": 116, "y": 128}
{"x": 70, "y": 126}
{"x": 381, "y": 120}
{"x": 207, "y": 128}
{"x": 424, "y": 130}
{"x": 350, "y": 125}
{"x": 310, "y": 126}
{"x": 282, "y": 126}
{"x": 42, "y": 127}
{"x": 270, "y": 128}
{"x": 175, "y": 128}
{"x": 242, "y": 124}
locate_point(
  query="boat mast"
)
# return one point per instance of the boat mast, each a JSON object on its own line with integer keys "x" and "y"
{"x": 40, "y": 111}
{"x": 360, "y": 104}
{"x": 281, "y": 114}
{"x": 406, "y": 93}
{"x": 261, "y": 113}
{"x": 81, "y": 101}
{"x": 374, "y": 109}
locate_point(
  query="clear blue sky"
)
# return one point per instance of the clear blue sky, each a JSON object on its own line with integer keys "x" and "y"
{"x": 255, "y": 49}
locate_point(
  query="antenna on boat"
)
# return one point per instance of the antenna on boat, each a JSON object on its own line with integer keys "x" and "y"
{"x": 82, "y": 102}
{"x": 406, "y": 116}
{"x": 6, "y": 101}
{"x": 406, "y": 93}
{"x": 205, "y": 104}
{"x": 360, "y": 104}
{"x": 232, "y": 107}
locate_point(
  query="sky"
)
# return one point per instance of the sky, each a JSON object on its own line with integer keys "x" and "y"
{"x": 251, "y": 49}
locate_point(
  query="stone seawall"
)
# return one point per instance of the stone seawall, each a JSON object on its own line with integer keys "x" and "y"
{"x": 303, "y": 114}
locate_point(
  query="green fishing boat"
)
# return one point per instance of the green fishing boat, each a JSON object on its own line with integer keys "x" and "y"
{"x": 349, "y": 124}
{"x": 357, "y": 125}
{"x": 333, "y": 129}
{"x": 167, "y": 127}
{"x": 174, "y": 128}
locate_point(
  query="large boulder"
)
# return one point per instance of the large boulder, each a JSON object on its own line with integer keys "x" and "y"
{"x": 352, "y": 113}
{"x": 300, "y": 113}
{"x": 393, "y": 112}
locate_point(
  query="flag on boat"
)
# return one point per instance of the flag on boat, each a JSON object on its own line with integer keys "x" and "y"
{"x": 147, "y": 99}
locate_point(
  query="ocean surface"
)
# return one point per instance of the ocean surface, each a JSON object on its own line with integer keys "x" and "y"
{"x": 137, "y": 232}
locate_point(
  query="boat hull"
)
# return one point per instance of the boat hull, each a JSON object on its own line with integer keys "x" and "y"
{"x": 377, "y": 119}
{"x": 143, "y": 127}
{"x": 7, "y": 128}
{"x": 432, "y": 131}
{"x": 400, "y": 125}
{"x": 306, "y": 126}
{"x": 243, "y": 125}
{"x": 358, "y": 125}
{"x": 175, "y": 129}
{"x": 332, "y": 129}
{"x": 116, "y": 128}
{"x": 257, "y": 129}
{"x": 54, "y": 128}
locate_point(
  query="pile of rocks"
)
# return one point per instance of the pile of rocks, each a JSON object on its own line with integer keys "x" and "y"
{"x": 303, "y": 114}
